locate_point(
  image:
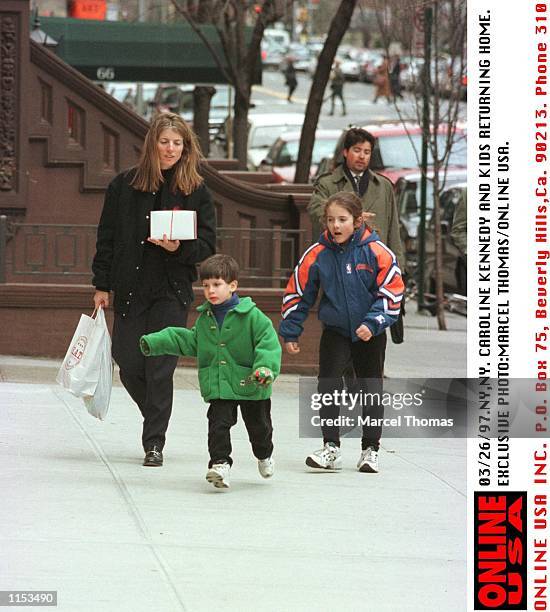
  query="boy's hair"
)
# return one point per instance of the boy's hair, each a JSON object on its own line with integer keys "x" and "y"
{"x": 358, "y": 135}
{"x": 347, "y": 200}
{"x": 219, "y": 266}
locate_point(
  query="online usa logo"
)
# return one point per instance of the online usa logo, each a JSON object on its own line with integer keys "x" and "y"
{"x": 77, "y": 351}
{"x": 500, "y": 550}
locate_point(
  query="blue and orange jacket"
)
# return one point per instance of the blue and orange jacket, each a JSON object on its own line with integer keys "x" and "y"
{"x": 360, "y": 282}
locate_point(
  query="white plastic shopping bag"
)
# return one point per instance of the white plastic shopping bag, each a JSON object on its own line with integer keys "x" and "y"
{"x": 98, "y": 404}
{"x": 87, "y": 368}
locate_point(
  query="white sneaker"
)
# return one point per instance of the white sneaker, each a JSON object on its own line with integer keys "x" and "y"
{"x": 266, "y": 467}
{"x": 218, "y": 475}
{"x": 368, "y": 461}
{"x": 327, "y": 458}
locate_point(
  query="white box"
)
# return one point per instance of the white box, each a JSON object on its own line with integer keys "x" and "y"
{"x": 176, "y": 224}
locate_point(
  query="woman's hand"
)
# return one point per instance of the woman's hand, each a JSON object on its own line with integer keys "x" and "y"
{"x": 363, "y": 333}
{"x": 293, "y": 348}
{"x": 101, "y": 298}
{"x": 169, "y": 245}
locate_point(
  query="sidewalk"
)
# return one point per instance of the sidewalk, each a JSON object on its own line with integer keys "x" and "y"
{"x": 81, "y": 516}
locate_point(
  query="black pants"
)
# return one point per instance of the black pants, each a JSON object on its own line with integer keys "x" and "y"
{"x": 291, "y": 89}
{"x": 222, "y": 415}
{"x": 335, "y": 353}
{"x": 148, "y": 380}
{"x": 337, "y": 94}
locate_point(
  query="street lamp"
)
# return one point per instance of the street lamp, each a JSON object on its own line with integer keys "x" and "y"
{"x": 39, "y": 36}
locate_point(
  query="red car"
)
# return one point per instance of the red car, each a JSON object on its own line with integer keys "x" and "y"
{"x": 398, "y": 149}
{"x": 281, "y": 158}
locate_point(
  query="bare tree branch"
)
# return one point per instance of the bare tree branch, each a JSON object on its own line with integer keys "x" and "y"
{"x": 185, "y": 13}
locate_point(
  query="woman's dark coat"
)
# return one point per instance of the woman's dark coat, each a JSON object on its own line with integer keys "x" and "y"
{"x": 122, "y": 234}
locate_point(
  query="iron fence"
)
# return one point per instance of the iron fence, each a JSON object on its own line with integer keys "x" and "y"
{"x": 48, "y": 252}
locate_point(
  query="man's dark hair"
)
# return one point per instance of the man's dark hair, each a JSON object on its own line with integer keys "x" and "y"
{"x": 219, "y": 266}
{"x": 356, "y": 136}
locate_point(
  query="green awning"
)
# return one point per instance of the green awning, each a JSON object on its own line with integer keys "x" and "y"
{"x": 141, "y": 52}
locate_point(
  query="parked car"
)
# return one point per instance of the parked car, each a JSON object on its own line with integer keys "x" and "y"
{"x": 283, "y": 155}
{"x": 454, "y": 264}
{"x": 272, "y": 54}
{"x": 179, "y": 99}
{"x": 263, "y": 130}
{"x": 278, "y": 36}
{"x": 369, "y": 64}
{"x": 398, "y": 147}
{"x": 349, "y": 65}
{"x": 125, "y": 93}
{"x": 300, "y": 55}
{"x": 407, "y": 197}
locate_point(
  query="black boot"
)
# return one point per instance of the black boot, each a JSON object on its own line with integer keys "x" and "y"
{"x": 153, "y": 457}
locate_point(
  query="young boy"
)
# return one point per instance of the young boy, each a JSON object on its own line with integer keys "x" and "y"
{"x": 239, "y": 356}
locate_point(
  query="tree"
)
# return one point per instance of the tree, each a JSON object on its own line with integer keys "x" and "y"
{"x": 230, "y": 19}
{"x": 442, "y": 77}
{"x": 337, "y": 29}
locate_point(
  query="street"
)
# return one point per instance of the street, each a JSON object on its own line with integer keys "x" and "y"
{"x": 270, "y": 97}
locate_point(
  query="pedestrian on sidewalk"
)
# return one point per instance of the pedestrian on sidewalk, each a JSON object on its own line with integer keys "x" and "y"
{"x": 362, "y": 290}
{"x": 382, "y": 81}
{"x": 151, "y": 279}
{"x": 395, "y": 78}
{"x": 337, "y": 87}
{"x": 291, "y": 79}
{"x": 239, "y": 356}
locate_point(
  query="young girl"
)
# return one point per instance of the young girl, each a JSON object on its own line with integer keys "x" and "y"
{"x": 362, "y": 291}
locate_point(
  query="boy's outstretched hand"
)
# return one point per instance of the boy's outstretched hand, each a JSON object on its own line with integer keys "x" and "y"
{"x": 363, "y": 333}
{"x": 293, "y": 348}
{"x": 264, "y": 376}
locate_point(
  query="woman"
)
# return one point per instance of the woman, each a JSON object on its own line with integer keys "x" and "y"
{"x": 291, "y": 80}
{"x": 151, "y": 279}
{"x": 382, "y": 81}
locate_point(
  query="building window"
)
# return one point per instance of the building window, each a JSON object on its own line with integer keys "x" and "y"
{"x": 75, "y": 124}
{"x": 110, "y": 150}
{"x": 45, "y": 102}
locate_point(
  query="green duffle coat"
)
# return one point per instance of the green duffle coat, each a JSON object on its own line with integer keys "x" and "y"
{"x": 227, "y": 356}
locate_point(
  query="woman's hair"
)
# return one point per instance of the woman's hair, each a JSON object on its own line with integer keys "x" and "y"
{"x": 347, "y": 200}
{"x": 148, "y": 176}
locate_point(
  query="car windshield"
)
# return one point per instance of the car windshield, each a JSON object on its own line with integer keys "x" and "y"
{"x": 323, "y": 147}
{"x": 397, "y": 151}
{"x": 411, "y": 197}
{"x": 265, "y": 135}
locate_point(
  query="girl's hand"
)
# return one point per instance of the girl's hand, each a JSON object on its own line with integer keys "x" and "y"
{"x": 363, "y": 333}
{"x": 101, "y": 298}
{"x": 169, "y": 245}
{"x": 293, "y": 348}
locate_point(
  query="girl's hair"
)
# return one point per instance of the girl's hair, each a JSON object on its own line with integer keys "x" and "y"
{"x": 148, "y": 176}
{"x": 347, "y": 200}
